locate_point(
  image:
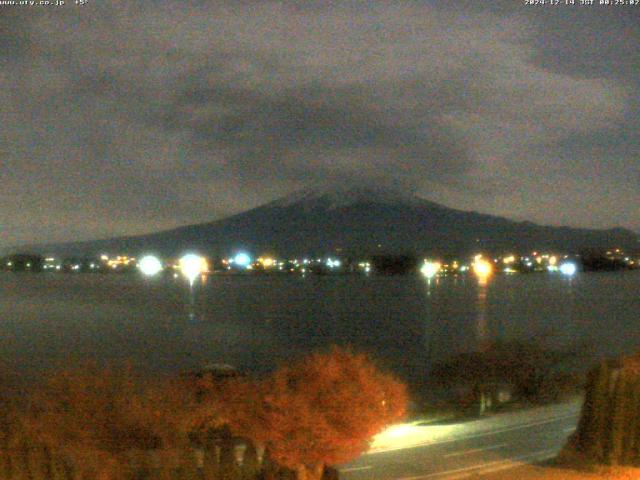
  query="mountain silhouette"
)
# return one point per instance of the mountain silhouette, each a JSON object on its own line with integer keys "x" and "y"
{"x": 356, "y": 221}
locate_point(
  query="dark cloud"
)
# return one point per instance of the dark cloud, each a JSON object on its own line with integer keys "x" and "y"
{"x": 128, "y": 117}
{"x": 271, "y": 135}
{"x": 590, "y": 43}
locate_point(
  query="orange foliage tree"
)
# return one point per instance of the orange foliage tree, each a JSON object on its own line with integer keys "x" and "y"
{"x": 322, "y": 410}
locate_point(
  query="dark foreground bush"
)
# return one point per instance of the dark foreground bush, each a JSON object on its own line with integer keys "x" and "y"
{"x": 532, "y": 371}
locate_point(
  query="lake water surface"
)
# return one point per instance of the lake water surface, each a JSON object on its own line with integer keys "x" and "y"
{"x": 255, "y": 322}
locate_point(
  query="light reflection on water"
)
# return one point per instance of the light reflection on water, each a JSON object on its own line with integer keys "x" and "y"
{"x": 482, "y": 330}
{"x": 255, "y": 322}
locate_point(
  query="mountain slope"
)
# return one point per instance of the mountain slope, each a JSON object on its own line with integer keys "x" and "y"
{"x": 358, "y": 221}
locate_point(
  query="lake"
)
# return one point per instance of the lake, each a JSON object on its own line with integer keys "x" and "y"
{"x": 256, "y": 322}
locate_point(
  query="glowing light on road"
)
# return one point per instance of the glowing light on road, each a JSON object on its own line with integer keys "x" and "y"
{"x": 192, "y": 265}
{"x": 149, "y": 265}
{"x": 400, "y": 437}
{"x": 430, "y": 269}
{"x": 568, "y": 268}
{"x": 242, "y": 259}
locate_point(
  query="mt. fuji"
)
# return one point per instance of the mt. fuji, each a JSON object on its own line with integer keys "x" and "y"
{"x": 357, "y": 221}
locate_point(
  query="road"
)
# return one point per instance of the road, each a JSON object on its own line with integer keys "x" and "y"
{"x": 472, "y": 449}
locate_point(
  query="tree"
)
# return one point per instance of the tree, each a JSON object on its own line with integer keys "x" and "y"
{"x": 609, "y": 428}
{"x": 319, "y": 411}
{"x": 527, "y": 365}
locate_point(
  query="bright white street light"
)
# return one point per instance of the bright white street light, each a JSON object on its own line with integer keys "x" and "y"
{"x": 568, "y": 268}
{"x": 150, "y": 265}
{"x": 430, "y": 269}
{"x": 192, "y": 265}
{"x": 242, "y": 259}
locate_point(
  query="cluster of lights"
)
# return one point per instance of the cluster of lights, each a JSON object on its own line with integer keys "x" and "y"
{"x": 50, "y": 263}
{"x": 366, "y": 266}
{"x": 536, "y": 261}
{"x": 619, "y": 255}
{"x": 483, "y": 268}
{"x": 333, "y": 263}
{"x": 192, "y": 265}
{"x": 243, "y": 261}
{"x": 267, "y": 262}
{"x": 509, "y": 259}
{"x": 119, "y": 261}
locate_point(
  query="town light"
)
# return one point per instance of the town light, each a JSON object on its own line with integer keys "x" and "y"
{"x": 331, "y": 263}
{"x": 192, "y": 265}
{"x": 242, "y": 259}
{"x": 481, "y": 267}
{"x": 150, "y": 265}
{"x": 568, "y": 268}
{"x": 430, "y": 269}
{"x": 267, "y": 262}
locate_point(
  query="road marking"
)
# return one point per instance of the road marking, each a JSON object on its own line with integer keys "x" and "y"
{"x": 477, "y": 435}
{"x": 355, "y": 469}
{"x": 494, "y": 466}
{"x": 544, "y": 455}
{"x": 474, "y": 450}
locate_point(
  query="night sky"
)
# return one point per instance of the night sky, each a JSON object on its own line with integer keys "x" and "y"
{"x": 135, "y": 116}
